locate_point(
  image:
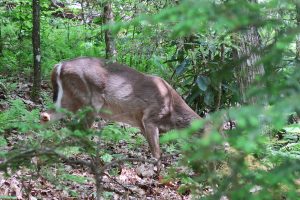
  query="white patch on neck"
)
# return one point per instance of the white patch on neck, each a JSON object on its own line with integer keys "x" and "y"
{"x": 60, "y": 88}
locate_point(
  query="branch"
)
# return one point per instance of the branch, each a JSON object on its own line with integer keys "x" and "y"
{"x": 47, "y": 151}
{"x": 120, "y": 184}
{"x": 65, "y": 158}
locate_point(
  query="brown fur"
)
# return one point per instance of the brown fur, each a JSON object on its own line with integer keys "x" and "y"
{"x": 147, "y": 102}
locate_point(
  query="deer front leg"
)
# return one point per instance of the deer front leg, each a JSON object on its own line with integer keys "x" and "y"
{"x": 152, "y": 136}
{"x": 151, "y": 133}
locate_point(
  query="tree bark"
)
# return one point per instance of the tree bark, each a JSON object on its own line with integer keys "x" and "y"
{"x": 36, "y": 12}
{"x": 249, "y": 45}
{"x": 298, "y": 36}
{"x": 1, "y": 40}
{"x": 219, "y": 96}
{"x": 111, "y": 52}
{"x": 248, "y": 52}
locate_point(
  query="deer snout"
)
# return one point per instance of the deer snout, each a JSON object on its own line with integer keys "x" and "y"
{"x": 44, "y": 117}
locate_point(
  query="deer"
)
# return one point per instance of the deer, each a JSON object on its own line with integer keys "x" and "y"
{"x": 140, "y": 100}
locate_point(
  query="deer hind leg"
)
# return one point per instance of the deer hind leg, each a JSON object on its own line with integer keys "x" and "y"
{"x": 85, "y": 95}
{"x": 96, "y": 106}
{"x": 89, "y": 119}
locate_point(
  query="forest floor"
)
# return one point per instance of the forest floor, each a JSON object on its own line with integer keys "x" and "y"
{"x": 129, "y": 180}
{"x": 134, "y": 180}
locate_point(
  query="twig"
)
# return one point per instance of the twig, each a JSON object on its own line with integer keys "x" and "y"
{"x": 119, "y": 161}
{"x": 47, "y": 151}
{"x": 67, "y": 159}
{"x": 98, "y": 176}
{"x": 115, "y": 181}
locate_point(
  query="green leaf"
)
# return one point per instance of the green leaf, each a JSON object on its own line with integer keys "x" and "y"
{"x": 2, "y": 141}
{"x": 182, "y": 67}
{"x": 209, "y": 98}
{"x": 77, "y": 179}
{"x": 202, "y": 82}
{"x": 8, "y": 197}
{"x": 107, "y": 158}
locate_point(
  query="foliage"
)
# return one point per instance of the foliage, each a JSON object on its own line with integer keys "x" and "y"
{"x": 251, "y": 168}
{"x": 192, "y": 44}
{"x": 18, "y": 117}
{"x": 245, "y": 163}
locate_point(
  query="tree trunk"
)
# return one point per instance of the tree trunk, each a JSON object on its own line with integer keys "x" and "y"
{"x": 298, "y": 36}
{"x": 297, "y": 59}
{"x": 248, "y": 52}
{"x": 249, "y": 45}
{"x": 1, "y": 40}
{"x": 36, "y": 50}
{"x": 111, "y": 52}
{"x": 219, "y": 96}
